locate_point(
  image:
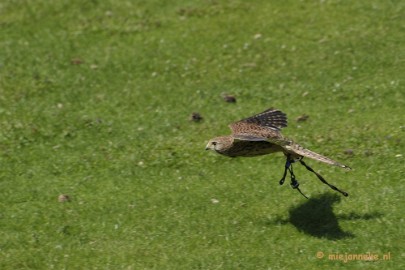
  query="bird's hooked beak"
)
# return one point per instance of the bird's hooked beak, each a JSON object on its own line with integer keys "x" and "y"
{"x": 209, "y": 146}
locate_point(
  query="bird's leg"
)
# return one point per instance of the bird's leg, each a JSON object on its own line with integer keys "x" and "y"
{"x": 288, "y": 163}
{"x": 323, "y": 179}
{"x": 288, "y": 167}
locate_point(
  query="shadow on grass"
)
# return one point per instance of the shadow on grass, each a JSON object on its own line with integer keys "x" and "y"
{"x": 315, "y": 217}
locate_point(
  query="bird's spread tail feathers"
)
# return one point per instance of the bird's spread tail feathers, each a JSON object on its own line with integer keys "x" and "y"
{"x": 294, "y": 148}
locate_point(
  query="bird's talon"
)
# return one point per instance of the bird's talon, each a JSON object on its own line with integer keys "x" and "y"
{"x": 294, "y": 184}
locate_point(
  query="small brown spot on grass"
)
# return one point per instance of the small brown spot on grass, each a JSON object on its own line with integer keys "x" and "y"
{"x": 229, "y": 98}
{"x": 63, "y": 198}
{"x": 302, "y": 118}
{"x": 348, "y": 152}
{"x": 368, "y": 152}
{"x": 76, "y": 61}
{"x": 196, "y": 117}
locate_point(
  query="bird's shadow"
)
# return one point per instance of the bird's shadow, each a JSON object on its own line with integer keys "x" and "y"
{"x": 315, "y": 217}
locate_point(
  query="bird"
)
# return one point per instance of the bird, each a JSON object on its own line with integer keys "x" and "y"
{"x": 260, "y": 134}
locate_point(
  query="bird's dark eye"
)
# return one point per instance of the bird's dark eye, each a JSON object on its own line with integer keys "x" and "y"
{"x": 214, "y": 143}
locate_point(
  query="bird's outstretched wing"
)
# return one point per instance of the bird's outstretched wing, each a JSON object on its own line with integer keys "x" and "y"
{"x": 271, "y": 118}
{"x": 264, "y": 126}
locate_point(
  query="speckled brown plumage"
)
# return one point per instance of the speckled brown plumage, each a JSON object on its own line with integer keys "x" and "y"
{"x": 261, "y": 135}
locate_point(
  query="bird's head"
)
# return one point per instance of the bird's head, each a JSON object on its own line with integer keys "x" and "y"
{"x": 219, "y": 144}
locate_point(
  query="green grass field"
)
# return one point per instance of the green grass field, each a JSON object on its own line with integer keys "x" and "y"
{"x": 95, "y": 101}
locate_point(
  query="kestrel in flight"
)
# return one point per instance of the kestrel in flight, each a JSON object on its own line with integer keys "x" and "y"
{"x": 261, "y": 135}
